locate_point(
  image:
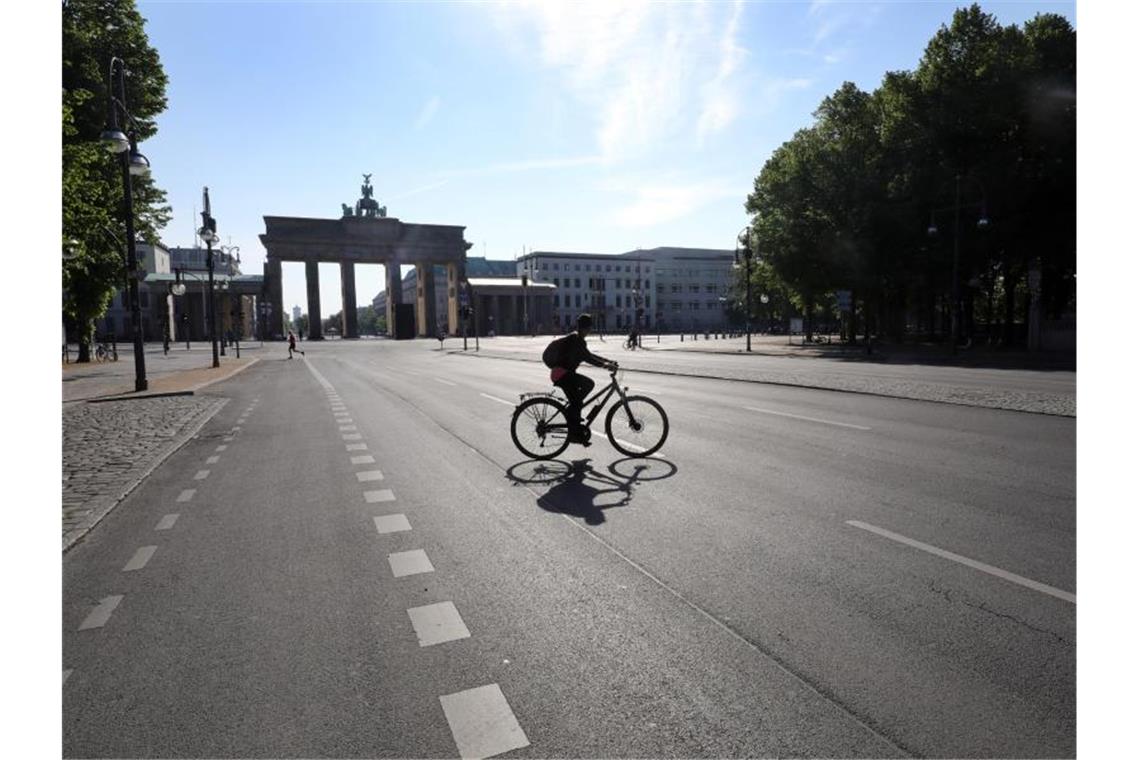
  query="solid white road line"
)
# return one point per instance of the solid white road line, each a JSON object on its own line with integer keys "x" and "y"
{"x": 167, "y": 522}
{"x": 995, "y": 571}
{"x": 445, "y": 382}
{"x": 437, "y": 624}
{"x": 391, "y": 523}
{"x": 496, "y": 398}
{"x": 410, "y": 563}
{"x": 807, "y": 419}
{"x": 223, "y": 447}
{"x": 67, "y": 674}
{"x": 201, "y": 474}
{"x": 374, "y": 497}
{"x": 187, "y": 495}
{"x": 367, "y": 475}
{"x": 142, "y": 556}
{"x": 212, "y": 460}
{"x": 102, "y": 613}
{"x": 482, "y": 723}
{"x": 364, "y": 459}
{"x": 356, "y": 447}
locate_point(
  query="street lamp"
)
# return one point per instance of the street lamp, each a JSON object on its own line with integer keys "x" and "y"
{"x": 744, "y": 253}
{"x": 209, "y": 235}
{"x": 932, "y": 231}
{"x": 133, "y": 163}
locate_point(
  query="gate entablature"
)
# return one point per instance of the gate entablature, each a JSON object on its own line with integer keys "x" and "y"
{"x": 354, "y": 240}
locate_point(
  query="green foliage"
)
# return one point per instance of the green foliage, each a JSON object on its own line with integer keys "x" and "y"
{"x": 845, "y": 203}
{"x": 367, "y": 321}
{"x": 93, "y": 229}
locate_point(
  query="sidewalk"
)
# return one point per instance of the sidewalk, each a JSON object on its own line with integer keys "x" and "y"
{"x": 111, "y": 443}
{"x": 772, "y": 361}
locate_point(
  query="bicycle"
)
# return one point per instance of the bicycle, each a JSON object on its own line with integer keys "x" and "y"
{"x": 636, "y": 426}
{"x": 630, "y": 344}
{"x": 105, "y": 352}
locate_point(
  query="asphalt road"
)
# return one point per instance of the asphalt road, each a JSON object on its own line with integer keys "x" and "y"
{"x": 798, "y": 573}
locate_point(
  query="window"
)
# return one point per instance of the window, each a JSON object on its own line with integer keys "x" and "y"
{"x": 578, "y": 300}
{"x": 628, "y": 301}
{"x": 627, "y": 282}
{"x": 565, "y": 267}
{"x": 577, "y": 267}
{"x": 647, "y": 303}
{"x": 712, "y": 304}
{"x": 577, "y": 281}
{"x": 607, "y": 267}
{"x": 676, "y": 288}
{"x": 675, "y": 306}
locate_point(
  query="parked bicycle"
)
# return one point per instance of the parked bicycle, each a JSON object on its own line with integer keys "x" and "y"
{"x": 636, "y": 425}
{"x": 106, "y": 352}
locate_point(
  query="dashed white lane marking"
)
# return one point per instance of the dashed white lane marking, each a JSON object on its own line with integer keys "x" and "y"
{"x": 437, "y": 624}
{"x": 602, "y": 434}
{"x": 496, "y": 398}
{"x": 228, "y": 438}
{"x": 445, "y": 382}
{"x": 364, "y": 459}
{"x": 236, "y": 429}
{"x": 102, "y": 613}
{"x": 167, "y": 522}
{"x": 351, "y": 436}
{"x": 807, "y": 419}
{"x": 410, "y": 563}
{"x": 482, "y": 723}
{"x": 142, "y": 556}
{"x": 187, "y": 495}
{"x": 347, "y": 428}
{"x": 374, "y": 497}
{"x": 201, "y": 474}
{"x": 356, "y": 447}
{"x": 212, "y": 460}
{"x": 340, "y": 415}
{"x": 995, "y": 571}
{"x": 67, "y": 674}
{"x": 223, "y": 447}
{"x": 391, "y": 523}
{"x": 367, "y": 475}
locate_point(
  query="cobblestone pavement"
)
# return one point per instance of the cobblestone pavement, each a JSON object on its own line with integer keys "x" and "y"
{"x": 109, "y": 447}
{"x": 1036, "y": 392}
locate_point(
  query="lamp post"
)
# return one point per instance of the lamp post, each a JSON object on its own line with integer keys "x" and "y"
{"x": 932, "y": 231}
{"x": 135, "y": 163}
{"x": 209, "y": 235}
{"x": 744, "y": 254}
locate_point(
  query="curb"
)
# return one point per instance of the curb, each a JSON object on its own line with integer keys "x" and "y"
{"x": 793, "y": 385}
{"x": 192, "y": 390}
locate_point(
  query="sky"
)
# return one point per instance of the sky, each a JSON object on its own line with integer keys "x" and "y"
{"x": 593, "y": 127}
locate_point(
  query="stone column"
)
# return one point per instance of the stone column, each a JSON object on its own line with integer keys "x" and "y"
{"x": 313, "y": 287}
{"x": 273, "y": 289}
{"x": 348, "y": 300}
{"x": 395, "y": 294}
{"x": 455, "y": 277}
{"x": 425, "y": 300}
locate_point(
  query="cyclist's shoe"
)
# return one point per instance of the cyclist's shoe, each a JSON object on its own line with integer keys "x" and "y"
{"x": 579, "y": 436}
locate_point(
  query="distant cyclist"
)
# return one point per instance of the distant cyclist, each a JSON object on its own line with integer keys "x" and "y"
{"x": 563, "y": 356}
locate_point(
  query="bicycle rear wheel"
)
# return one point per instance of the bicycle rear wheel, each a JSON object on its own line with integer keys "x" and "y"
{"x": 639, "y": 432}
{"x": 101, "y": 354}
{"x": 539, "y": 429}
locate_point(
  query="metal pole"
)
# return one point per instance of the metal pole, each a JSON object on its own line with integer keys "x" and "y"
{"x": 132, "y": 261}
{"x": 954, "y": 283}
{"x": 210, "y": 270}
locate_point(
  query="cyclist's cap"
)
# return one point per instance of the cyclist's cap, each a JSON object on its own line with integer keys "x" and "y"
{"x": 585, "y": 321}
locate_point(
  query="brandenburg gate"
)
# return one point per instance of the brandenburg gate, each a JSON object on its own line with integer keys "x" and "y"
{"x": 366, "y": 235}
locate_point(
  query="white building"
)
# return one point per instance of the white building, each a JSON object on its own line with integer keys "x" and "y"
{"x": 610, "y": 288}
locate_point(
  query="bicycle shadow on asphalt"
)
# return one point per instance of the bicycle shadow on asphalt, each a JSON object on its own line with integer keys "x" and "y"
{"x": 577, "y": 489}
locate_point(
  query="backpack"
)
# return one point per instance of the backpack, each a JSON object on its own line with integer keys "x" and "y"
{"x": 552, "y": 356}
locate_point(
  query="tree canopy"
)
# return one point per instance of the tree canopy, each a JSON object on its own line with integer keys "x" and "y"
{"x": 986, "y": 123}
{"x": 93, "y": 220}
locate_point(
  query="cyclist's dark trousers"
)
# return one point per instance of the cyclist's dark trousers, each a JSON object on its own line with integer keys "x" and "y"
{"x": 577, "y": 388}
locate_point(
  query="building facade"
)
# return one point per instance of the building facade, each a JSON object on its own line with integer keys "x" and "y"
{"x": 610, "y": 288}
{"x": 693, "y": 287}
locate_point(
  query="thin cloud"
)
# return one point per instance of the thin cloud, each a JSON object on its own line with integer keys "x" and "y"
{"x": 427, "y": 113}
{"x": 657, "y": 203}
{"x": 638, "y": 66}
{"x": 508, "y": 167}
{"x": 418, "y": 190}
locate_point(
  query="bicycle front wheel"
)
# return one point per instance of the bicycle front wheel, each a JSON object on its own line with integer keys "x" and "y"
{"x": 638, "y": 427}
{"x": 539, "y": 428}
{"x": 100, "y": 354}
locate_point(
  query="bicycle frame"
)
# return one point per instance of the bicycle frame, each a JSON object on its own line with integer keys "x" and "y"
{"x": 608, "y": 391}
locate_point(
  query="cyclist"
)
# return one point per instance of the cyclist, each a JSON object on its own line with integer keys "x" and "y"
{"x": 563, "y": 356}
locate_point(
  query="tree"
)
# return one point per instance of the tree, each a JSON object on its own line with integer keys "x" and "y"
{"x": 301, "y": 324}
{"x": 93, "y": 229}
{"x": 367, "y": 321}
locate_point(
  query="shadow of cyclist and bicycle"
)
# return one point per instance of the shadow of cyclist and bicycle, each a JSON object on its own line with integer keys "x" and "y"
{"x": 577, "y": 489}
